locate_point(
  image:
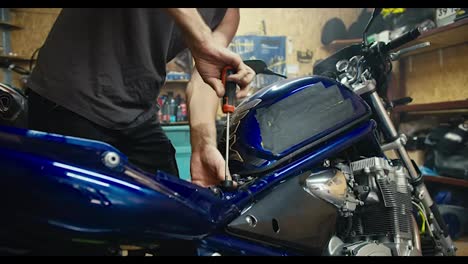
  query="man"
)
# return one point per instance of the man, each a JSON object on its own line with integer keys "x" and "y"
{"x": 99, "y": 73}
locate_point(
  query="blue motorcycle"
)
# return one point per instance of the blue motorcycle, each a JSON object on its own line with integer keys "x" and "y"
{"x": 308, "y": 156}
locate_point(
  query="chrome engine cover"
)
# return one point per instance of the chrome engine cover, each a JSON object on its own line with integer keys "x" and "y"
{"x": 331, "y": 185}
{"x": 336, "y": 247}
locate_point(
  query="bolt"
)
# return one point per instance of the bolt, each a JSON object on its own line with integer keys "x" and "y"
{"x": 111, "y": 159}
{"x": 235, "y": 177}
{"x": 326, "y": 163}
{"x": 421, "y": 195}
{"x": 251, "y": 220}
{"x": 403, "y": 139}
{"x": 215, "y": 190}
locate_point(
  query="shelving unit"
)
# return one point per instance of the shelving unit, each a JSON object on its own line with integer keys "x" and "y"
{"x": 177, "y": 87}
{"x": 454, "y": 34}
{"x": 439, "y": 106}
{"x": 9, "y": 26}
{"x": 14, "y": 58}
{"x": 442, "y": 37}
{"x": 177, "y": 81}
{"x": 446, "y": 180}
{"x": 175, "y": 123}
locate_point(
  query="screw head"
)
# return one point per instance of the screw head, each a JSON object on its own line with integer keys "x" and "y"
{"x": 235, "y": 177}
{"x": 111, "y": 159}
{"x": 251, "y": 220}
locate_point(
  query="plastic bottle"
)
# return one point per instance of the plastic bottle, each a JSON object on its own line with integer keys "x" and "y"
{"x": 160, "y": 104}
{"x": 172, "y": 108}
{"x": 183, "y": 110}
{"x": 166, "y": 110}
{"x": 180, "y": 118}
{"x": 178, "y": 100}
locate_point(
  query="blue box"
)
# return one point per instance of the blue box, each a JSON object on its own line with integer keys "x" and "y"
{"x": 270, "y": 49}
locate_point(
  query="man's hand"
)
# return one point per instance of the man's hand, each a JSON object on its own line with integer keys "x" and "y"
{"x": 207, "y": 161}
{"x": 210, "y": 59}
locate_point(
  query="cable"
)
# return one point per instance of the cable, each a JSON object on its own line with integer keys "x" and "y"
{"x": 424, "y": 218}
{"x": 31, "y": 61}
{"x": 423, "y": 226}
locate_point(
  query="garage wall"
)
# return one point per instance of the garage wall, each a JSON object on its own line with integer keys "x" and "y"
{"x": 36, "y": 24}
{"x": 302, "y": 26}
{"x": 431, "y": 77}
{"x": 439, "y": 75}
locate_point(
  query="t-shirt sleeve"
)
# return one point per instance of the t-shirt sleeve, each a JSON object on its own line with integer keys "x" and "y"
{"x": 217, "y": 16}
{"x": 211, "y": 16}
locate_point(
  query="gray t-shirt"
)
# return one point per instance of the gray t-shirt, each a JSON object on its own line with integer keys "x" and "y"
{"x": 108, "y": 64}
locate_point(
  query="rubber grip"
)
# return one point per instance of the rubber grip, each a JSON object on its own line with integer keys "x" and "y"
{"x": 402, "y": 40}
{"x": 230, "y": 91}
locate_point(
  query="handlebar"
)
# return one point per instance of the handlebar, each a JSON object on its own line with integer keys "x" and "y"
{"x": 402, "y": 40}
{"x": 13, "y": 67}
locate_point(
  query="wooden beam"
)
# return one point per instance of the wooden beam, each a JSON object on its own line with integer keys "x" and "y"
{"x": 440, "y": 106}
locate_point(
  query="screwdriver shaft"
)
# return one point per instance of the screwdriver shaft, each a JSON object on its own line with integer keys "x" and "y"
{"x": 226, "y": 167}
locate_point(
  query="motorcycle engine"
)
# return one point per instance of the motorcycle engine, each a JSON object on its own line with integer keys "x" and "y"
{"x": 376, "y": 210}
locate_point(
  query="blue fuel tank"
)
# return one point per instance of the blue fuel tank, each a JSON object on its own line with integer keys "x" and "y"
{"x": 288, "y": 119}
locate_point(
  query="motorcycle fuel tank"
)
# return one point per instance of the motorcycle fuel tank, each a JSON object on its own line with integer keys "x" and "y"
{"x": 283, "y": 121}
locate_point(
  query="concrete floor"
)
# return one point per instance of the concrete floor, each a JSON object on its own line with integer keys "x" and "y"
{"x": 462, "y": 245}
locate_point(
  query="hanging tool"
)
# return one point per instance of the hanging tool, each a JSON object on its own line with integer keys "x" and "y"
{"x": 228, "y": 108}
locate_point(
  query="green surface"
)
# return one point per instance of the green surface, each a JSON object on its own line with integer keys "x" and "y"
{"x": 180, "y": 138}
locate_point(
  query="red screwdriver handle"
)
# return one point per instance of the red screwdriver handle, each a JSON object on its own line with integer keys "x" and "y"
{"x": 230, "y": 90}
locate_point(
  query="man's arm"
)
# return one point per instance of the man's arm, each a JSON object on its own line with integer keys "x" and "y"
{"x": 203, "y": 102}
{"x": 209, "y": 48}
{"x": 207, "y": 163}
{"x": 196, "y": 31}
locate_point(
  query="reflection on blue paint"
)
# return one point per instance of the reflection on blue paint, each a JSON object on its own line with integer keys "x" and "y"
{"x": 69, "y": 174}
{"x": 57, "y": 164}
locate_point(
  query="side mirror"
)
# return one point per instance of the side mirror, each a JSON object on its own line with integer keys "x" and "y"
{"x": 260, "y": 67}
{"x": 376, "y": 12}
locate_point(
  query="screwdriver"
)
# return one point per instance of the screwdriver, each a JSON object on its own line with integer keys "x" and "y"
{"x": 228, "y": 108}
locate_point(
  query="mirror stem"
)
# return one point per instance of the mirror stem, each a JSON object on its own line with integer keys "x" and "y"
{"x": 267, "y": 71}
{"x": 375, "y": 13}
